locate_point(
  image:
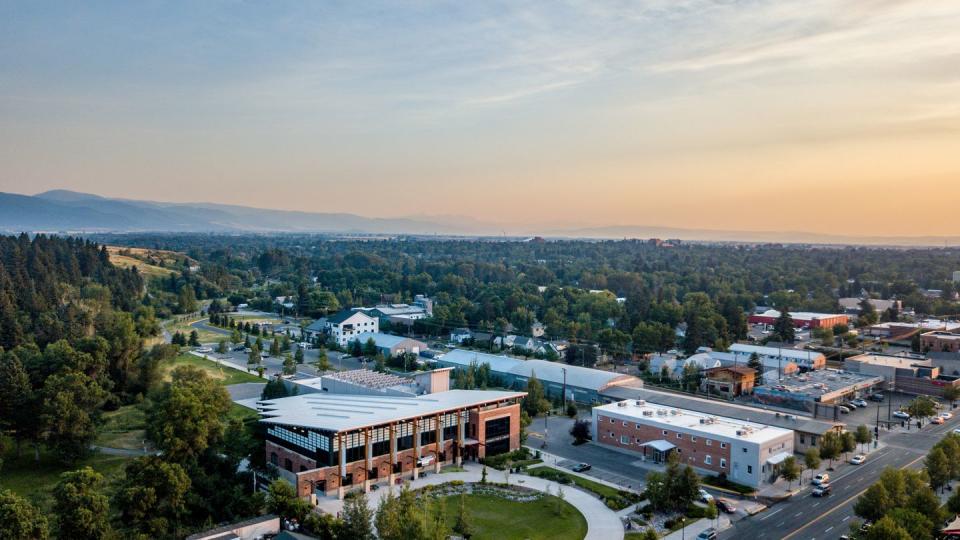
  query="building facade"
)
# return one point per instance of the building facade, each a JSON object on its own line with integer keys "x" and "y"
{"x": 801, "y": 319}
{"x": 940, "y": 341}
{"x": 327, "y": 444}
{"x": 746, "y": 452}
{"x": 344, "y": 327}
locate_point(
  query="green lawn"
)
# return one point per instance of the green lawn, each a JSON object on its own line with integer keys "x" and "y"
{"x": 613, "y": 497}
{"x": 499, "y": 519}
{"x": 123, "y": 428}
{"x": 35, "y": 480}
{"x": 226, "y": 375}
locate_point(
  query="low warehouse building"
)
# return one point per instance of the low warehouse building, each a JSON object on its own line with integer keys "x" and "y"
{"x": 584, "y": 385}
{"x": 908, "y": 375}
{"x": 816, "y": 391}
{"x": 770, "y": 356}
{"x": 746, "y": 452}
{"x": 391, "y": 346}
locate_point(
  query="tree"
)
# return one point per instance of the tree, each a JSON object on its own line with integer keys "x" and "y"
{"x": 357, "y": 518}
{"x": 868, "y": 314}
{"x": 275, "y": 347}
{"x": 653, "y": 337}
{"x": 951, "y": 394}
{"x": 579, "y": 354}
{"x": 886, "y": 529}
{"x": 756, "y": 365}
{"x": 253, "y": 357}
{"x": 831, "y": 445}
{"x": 863, "y": 435}
{"x": 187, "y": 415}
{"x": 848, "y": 443}
{"x": 953, "y": 503}
{"x": 535, "y": 402}
{"x": 17, "y": 410}
{"x": 235, "y": 336}
{"x": 400, "y": 517}
{"x": 370, "y": 348}
{"x": 222, "y": 346}
{"x": 298, "y": 355}
{"x": 186, "y": 300}
{"x": 917, "y": 525}
{"x": 194, "y": 340}
{"x": 282, "y": 500}
{"x": 289, "y": 365}
{"x": 71, "y": 414}
{"x": 580, "y": 431}
{"x": 152, "y": 496}
{"x": 82, "y": 510}
{"x": 571, "y": 409}
{"x": 19, "y": 519}
{"x": 811, "y": 459}
{"x": 874, "y": 503}
{"x": 462, "y": 525}
{"x": 938, "y": 468}
{"x": 783, "y": 328}
{"x": 790, "y": 470}
{"x": 356, "y": 349}
{"x": 921, "y": 407}
{"x": 691, "y": 376}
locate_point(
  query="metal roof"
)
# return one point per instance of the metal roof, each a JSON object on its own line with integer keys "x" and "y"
{"x": 345, "y": 412}
{"x": 578, "y": 376}
{"x": 386, "y": 340}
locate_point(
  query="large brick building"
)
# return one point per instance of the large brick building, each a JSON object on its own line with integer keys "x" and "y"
{"x": 940, "y": 341}
{"x": 801, "y": 319}
{"x": 746, "y": 452}
{"x": 326, "y": 444}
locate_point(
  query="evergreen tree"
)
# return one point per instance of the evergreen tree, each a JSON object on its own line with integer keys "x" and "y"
{"x": 19, "y": 519}
{"x": 756, "y": 365}
{"x": 152, "y": 497}
{"x": 357, "y": 518}
{"x": 535, "y": 402}
{"x": 462, "y": 525}
{"x": 783, "y": 328}
{"x": 194, "y": 339}
{"x": 275, "y": 347}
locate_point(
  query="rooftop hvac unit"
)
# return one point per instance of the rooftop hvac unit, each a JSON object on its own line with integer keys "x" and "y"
{"x": 622, "y": 404}
{"x": 661, "y": 412}
{"x": 641, "y": 403}
{"x": 648, "y": 413}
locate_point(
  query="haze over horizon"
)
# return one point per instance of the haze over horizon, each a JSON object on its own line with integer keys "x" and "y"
{"x": 818, "y": 116}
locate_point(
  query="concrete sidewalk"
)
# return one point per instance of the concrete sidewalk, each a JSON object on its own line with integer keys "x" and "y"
{"x": 602, "y": 523}
{"x": 691, "y": 531}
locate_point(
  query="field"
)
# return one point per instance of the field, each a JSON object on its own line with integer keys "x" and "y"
{"x": 205, "y": 336}
{"x": 612, "y": 497}
{"x": 225, "y": 375}
{"x": 496, "y": 518}
{"x": 35, "y": 480}
{"x": 123, "y": 428}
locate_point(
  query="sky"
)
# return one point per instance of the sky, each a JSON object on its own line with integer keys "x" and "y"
{"x": 812, "y": 115}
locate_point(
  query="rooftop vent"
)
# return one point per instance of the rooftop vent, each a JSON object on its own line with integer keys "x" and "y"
{"x": 622, "y": 404}
{"x": 674, "y": 412}
{"x": 641, "y": 403}
{"x": 648, "y": 413}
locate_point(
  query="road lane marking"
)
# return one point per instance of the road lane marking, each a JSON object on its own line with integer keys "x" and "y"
{"x": 828, "y": 530}
{"x": 837, "y": 507}
{"x": 845, "y": 519}
{"x": 770, "y": 514}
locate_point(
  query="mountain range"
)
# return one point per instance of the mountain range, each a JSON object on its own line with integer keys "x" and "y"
{"x": 70, "y": 211}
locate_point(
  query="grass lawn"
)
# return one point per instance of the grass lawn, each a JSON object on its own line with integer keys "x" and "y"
{"x": 123, "y": 428}
{"x": 242, "y": 413}
{"x": 496, "y": 518}
{"x": 226, "y": 375}
{"x": 612, "y": 497}
{"x": 205, "y": 336}
{"x": 35, "y": 480}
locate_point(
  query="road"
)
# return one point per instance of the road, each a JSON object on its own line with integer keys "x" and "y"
{"x": 808, "y": 518}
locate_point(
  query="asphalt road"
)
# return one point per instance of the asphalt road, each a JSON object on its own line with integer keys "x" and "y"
{"x": 808, "y": 518}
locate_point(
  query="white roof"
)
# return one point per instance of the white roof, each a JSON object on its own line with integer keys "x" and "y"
{"x": 800, "y": 315}
{"x": 545, "y": 370}
{"x": 672, "y": 418}
{"x": 660, "y": 445}
{"x": 778, "y": 458}
{"x": 386, "y": 340}
{"x": 344, "y": 412}
{"x": 793, "y": 354}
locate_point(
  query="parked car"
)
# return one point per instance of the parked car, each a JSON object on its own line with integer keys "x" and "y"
{"x": 726, "y": 505}
{"x": 901, "y": 415}
{"x": 707, "y": 534}
{"x": 858, "y": 459}
{"x": 705, "y": 496}
{"x": 937, "y": 420}
{"x": 843, "y": 409}
{"x": 946, "y": 415}
{"x": 821, "y": 491}
{"x": 850, "y": 405}
{"x": 956, "y": 430}
{"x": 859, "y": 402}
{"x": 820, "y": 479}
{"x": 581, "y": 467}
{"x": 876, "y": 397}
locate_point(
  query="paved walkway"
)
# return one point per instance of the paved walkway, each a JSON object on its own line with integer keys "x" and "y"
{"x": 602, "y": 523}
{"x": 691, "y": 531}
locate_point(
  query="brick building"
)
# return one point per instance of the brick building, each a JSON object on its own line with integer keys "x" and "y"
{"x": 940, "y": 341}
{"x": 746, "y": 452}
{"x": 383, "y": 438}
{"x": 801, "y": 319}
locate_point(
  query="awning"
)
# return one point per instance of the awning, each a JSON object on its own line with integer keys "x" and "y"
{"x": 953, "y": 528}
{"x": 777, "y": 459}
{"x": 467, "y": 441}
{"x": 660, "y": 445}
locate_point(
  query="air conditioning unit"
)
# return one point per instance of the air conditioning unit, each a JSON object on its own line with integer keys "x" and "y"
{"x": 674, "y": 412}
{"x": 648, "y": 413}
{"x": 622, "y": 404}
{"x": 641, "y": 403}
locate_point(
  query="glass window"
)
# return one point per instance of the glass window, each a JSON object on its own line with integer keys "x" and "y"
{"x": 723, "y": 463}
{"x": 749, "y": 469}
{"x": 708, "y": 460}
{"x": 624, "y": 439}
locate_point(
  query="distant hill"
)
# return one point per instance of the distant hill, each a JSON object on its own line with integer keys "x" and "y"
{"x": 69, "y": 211}
{"x": 63, "y": 210}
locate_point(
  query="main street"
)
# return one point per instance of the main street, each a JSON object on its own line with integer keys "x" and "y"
{"x": 804, "y": 517}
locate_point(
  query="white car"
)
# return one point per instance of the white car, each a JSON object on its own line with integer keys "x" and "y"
{"x": 859, "y": 403}
{"x": 705, "y": 497}
{"x": 844, "y": 409}
{"x": 956, "y": 430}
{"x": 901, "y": 414}
{"x": 820, "y": 479}
{"x": 858, "y": 459}
{"x": 946, "y": 415}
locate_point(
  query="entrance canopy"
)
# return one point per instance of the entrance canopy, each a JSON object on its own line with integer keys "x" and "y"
{"x": 777, "y": 459}
{"x": 660, "y": 445}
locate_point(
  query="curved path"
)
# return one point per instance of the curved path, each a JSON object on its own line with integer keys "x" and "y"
{"x": 602, "y": 522}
